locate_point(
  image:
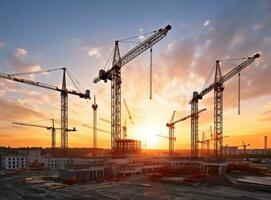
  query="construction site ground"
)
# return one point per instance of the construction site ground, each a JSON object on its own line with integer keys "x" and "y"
{"x": 12, "y": 187}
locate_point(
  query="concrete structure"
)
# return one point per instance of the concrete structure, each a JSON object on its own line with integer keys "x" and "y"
{"x": 230, "y": 150}
{"x": 127, "y": 146}
{"x": 132, "y": 170}
{"x": 33, "y": 155}
{"x": 258, "y": 151}
{"x": 188, "y": 166}
{"x": 233, "y": 150}
{"x": 215, "y": 168}
{"x": 82, "y": 175}
{"x": 13, "y": 161}
{"x": 64, "y": 162}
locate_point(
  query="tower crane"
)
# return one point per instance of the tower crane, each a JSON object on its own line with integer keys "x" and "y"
{"x": 114, "y": 75}
{"x": 63, "y": 94}
{"x": 171, "y": 137}
{"x": 124, "y": 127}
{"x": 244, "y": 145}
{"x": 171, "y": 141}
{"x": 171, "y": 127}
{"x": 128, "y": 111}
{"x": 207, "y": 143}
{"x": 203, "y": 142}
{"x": 51, "y": 128}
{"x": 218, "y": 87}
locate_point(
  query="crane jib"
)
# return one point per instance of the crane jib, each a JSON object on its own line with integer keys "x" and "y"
{"x": 85, "y": 95}
{"x": 224, "y": 78}
{"x": 133, "y": 53}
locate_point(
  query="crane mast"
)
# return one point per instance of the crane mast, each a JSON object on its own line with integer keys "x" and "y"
{"x": 95, "y": 107}
{"x": 53, "y": 137}
{"x": 171, "y": 135}
{"x": 64, "y": 113}
{"x": 114, "y": 75}
{"x": 218, "y": 88}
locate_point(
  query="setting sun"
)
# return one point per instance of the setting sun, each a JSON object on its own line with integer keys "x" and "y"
{"x": 148, "y": 134}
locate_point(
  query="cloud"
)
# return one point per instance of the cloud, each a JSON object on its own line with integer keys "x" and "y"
{"x": 264, "y": 20}
{"x": 20, "y": 52}
{"x": 184, "y": 65}
{"x": 10, "y": 86}
{"x": 206, "y": 23}
{"x": 76, "y": 40}
{"x": 2, "y": 44}
{"x": 266, "y": 116}
{"x": 19, "y": 61}
{"x": 233, "y": 39}
{"x": 141, "y": 36}
{"x": 94, "y": 52}
{"x": 11, "y": 110}
{"x": 2, "y": 93}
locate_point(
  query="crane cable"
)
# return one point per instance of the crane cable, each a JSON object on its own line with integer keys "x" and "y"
{"x": 36, "y": 72}
{"x": 209, "y": 77}
{"x": 36, "y": 122}
{"x": 151, "y": 73}
{"x": 238, "y": 84}
{"x": 74, "y": 80}
{"x": 126, "y": 40}
{"x": 239, "y": 87}
{"x": 232, "y": 59}
{"x": 136, "y": 36}
{"x": 109, "y": 60}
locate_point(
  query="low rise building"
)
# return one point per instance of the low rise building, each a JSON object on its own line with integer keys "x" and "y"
{"x": 13, "y": 161}
{"x": 64, "y": 162}
{"x": 230, "y": 150}
{"x": 33, "y": 155}
{"x": 132, "y": 170}
{"x": 93, "y": 173}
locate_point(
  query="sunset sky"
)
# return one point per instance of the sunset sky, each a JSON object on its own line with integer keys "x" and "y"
{"x": 79, "y": 35}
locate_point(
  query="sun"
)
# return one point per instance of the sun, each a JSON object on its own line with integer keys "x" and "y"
{"x": 148, "y": 135}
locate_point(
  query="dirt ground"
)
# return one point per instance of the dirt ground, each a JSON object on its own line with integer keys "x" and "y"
{"x": 11, "y": 188}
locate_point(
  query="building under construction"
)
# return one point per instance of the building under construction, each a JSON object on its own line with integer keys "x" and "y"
{"x": 127, "y": 146}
